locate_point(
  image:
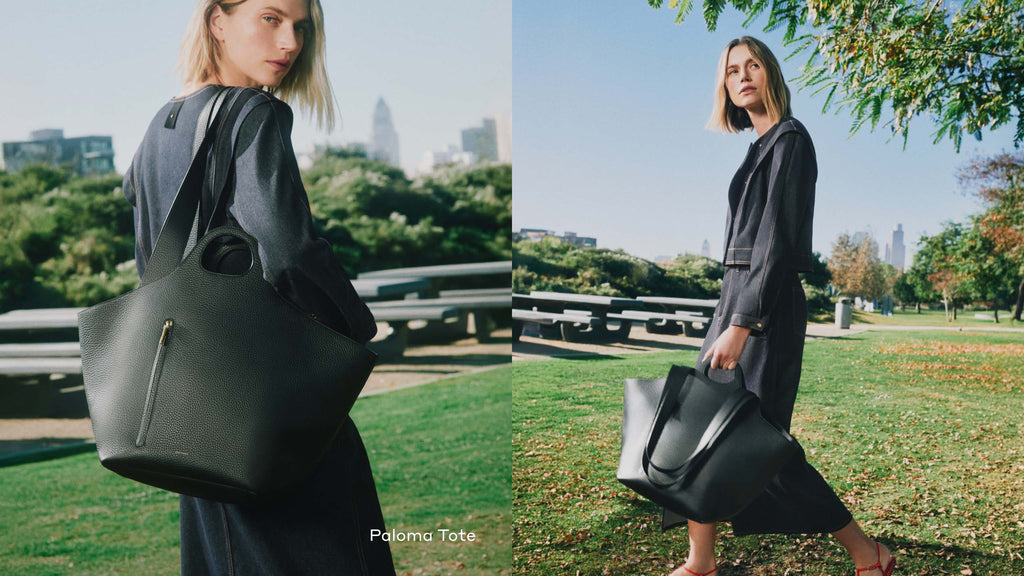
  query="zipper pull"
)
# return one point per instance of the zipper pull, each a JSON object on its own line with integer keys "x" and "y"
{"x": 167, "y": 330}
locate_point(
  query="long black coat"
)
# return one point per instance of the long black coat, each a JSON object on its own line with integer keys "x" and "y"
{"x": 325, "y": 528}
{"x": 768, "y": 241}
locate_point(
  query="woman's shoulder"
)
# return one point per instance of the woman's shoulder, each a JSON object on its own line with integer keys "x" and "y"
{"x": 790, "y": 133}
{"x": 257, "y": 99}
{"x": 790, "y": 124}
{"x": 792, "y": 138}
{"x": 262, "y": 107}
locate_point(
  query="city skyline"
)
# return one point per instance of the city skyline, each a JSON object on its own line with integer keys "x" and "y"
{"x": 127, "y": 73}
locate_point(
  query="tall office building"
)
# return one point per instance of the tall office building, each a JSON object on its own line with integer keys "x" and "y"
{"x": 384, "y": 139}
{"x": 82, "y": 155}
{"x": 482, "y": 141}
{"x": 895, "y": 251}
{"x": 503, "y": 126}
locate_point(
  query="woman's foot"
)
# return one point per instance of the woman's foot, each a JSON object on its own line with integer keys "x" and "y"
{"x": 695, "y": 569}
{"x": 883, "y": 566}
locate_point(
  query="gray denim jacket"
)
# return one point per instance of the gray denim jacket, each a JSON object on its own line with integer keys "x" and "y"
{"x": 770, "y": 231}
{"x": 266, "y": 199}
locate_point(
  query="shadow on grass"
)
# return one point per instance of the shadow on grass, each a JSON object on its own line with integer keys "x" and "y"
{"x": 539, "y": 349}
{"x": 41, "y": 397}
{"x": 455, "y": 360}
{"x": 14, "y": 452}
{"x": 536, "y": 348}
{"x": 850, "y": 338}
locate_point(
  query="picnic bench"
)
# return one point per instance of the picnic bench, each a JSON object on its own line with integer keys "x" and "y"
{"x": 40, "y": 354}
{"x": 573, "y": 317}
{"x": 564, "y": 323}
{"x": 486, "y": 306}
{"x": 680, "y": 315}
{"x": 443, "y": 270}
{"x": 687, "y": 323}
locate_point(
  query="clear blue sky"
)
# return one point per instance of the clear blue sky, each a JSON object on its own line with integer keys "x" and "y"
{"x": 104, "y": 67}
{"x": 611, "y": 99}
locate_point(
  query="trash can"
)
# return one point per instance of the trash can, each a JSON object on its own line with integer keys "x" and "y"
{"x": 844, "y": 313}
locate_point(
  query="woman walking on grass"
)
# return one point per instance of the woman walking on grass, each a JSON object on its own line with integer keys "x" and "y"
{"x": 761, "y": 317}
{"x": 274, "y": 48}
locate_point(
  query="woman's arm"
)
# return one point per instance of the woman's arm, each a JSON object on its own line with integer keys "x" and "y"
{"x": 271, "y": 204}
{"x": 787, "y": 210}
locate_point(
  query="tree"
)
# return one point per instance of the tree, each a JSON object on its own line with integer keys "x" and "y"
{"x": 819, "y": 275}
{"x": 855, "y": 266}
{"x": 962, "y": 64}
{"x": 999, "y": 182}
{"x": 552, "y": 264}
{"x": 938, "y": 256}
{"x": 988, "y": 274}
{"x": 904, "y": 292}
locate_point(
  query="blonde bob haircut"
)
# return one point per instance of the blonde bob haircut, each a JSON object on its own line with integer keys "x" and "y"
{"x": 305, "y": 84}
{"x": 726, "y": 116}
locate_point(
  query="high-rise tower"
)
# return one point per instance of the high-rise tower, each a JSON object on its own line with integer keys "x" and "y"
{"x": 895, "y": 251}
{"x": 384, "y": 139}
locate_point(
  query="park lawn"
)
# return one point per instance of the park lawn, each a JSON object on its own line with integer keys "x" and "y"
{"x": 909, "y": 317}
{"x": 919, "y": 432}
{"x": 440, "y": 455}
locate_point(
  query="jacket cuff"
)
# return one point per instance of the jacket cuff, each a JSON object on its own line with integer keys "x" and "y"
{"x": 752, "y": 322}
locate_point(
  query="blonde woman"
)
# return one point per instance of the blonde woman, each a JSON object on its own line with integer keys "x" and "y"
{"x": 761, "y": 317}
{"x": 276, "y": 48}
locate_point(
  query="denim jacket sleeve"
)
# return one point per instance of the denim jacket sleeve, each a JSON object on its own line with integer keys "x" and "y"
{"x": 270, "y": 203}
{"x": 786, "y": 213}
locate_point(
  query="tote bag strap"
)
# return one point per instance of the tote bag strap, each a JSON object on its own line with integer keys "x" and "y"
{"x": 175, "y": 233}
{"x": 209, "y": 111}
{"x": 222, "y": 158}
{"x": 676, "y": 386}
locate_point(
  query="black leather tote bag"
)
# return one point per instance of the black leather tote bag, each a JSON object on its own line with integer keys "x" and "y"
{"x": 212, "y": 384}
{"x": 697, "y": 446}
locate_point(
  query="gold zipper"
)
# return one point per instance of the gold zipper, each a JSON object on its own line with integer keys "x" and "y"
{"x": 154, "y": 378}
{"x": 167, "y": 329}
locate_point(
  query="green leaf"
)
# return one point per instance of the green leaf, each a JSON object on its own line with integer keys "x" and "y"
{"x": 876, "y": 111}
{"x": 828, "y": 99}
{"x": 712, "y": 10}
{"x": 684, "y": 9}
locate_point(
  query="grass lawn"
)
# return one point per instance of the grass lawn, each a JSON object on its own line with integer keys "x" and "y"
{"x": 909, "y": 317}
{"x": 919, "y": 432}
{"x": 440, "y": 456}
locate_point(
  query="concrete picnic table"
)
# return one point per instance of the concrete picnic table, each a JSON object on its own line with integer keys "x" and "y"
{"x": 690, "y": 310}
{"x": 672, "y": 305}
{"x": 390, "y": 287}
{"x": 443, "y": 270}
{"x": 484, "y": 305}
{"x": 593, "y": 312}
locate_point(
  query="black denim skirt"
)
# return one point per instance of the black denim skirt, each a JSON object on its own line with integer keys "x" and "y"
{"x": 324, "y": 529}
{"x": 798, "y": 500}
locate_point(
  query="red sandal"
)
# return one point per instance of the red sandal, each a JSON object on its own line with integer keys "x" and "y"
{"x": 713, "y": 570}
{"x": 878, "y": 565}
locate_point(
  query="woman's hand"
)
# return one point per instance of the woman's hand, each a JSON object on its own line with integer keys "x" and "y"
{"x": 725, "y": 352}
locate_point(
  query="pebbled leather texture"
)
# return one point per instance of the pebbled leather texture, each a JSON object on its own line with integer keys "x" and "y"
{"x": 698, "y": 446}
{"x": 245, "y": 394}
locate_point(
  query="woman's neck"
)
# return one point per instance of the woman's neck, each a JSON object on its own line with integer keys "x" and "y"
{"x": 760, "y": 120}
{"x": 193, "y": 87}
